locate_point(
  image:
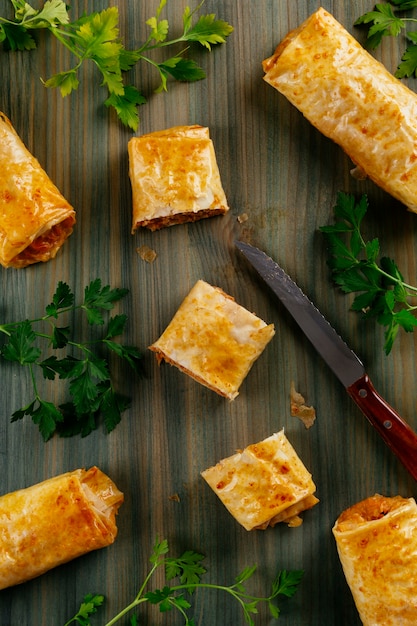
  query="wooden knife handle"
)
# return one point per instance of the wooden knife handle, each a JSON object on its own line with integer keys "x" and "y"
{"x": 396, "y": 433}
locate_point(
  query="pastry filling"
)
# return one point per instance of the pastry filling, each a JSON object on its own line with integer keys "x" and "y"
{"x": 43, "y": 247}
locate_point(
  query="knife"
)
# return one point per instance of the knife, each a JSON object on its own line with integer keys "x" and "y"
{"x": 348, "y": 368}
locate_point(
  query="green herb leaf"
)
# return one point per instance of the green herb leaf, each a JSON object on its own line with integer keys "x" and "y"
{"x": 188, "y": 569}
{"x": 287, "y": 583}
{"x": 408, "y": 65}
{"x": 90, "y": 386}
{"x": 247, "y": 573}
{"x": 116, "y": 326}
{"x": 404, "y": 5}
{"x": 95, "y": 37}
{"x": 20, "y": 346}
{"x": 159, "y": 29}
{"x": 160, "y": 548}
{"x": 125, "y": 106}
{"x": 97, "y": 298}
{"x": 60, "y": 336}
{"x": 46, "y": 416}
{"x": 185, "y": 70}
{"x": 66, "y": 82}
{"x": 16, "y": 37}
{"x": 384, "y": 22}
{"x": 62, "y": 299}
{"x": 208, "y": 31}
{"x": 53, "y": 13}
{"x": 88, "y": 607}
{"x": 381, "y": 290}
{"x": 74, "y": 423}
{"x": 160, "y": 596}
{"x": 112, "y": 405}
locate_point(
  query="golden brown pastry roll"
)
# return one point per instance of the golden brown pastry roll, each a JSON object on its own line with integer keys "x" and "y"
{"x": 175, "y": 177}
{"x": 264, "y": 484}
{"x": 57, "y": 520}
{"x": 35, "y": 219}
{"x": 377, "y": 545}
{"x": 213, "y": 339}
{"x": 352, "y": 99}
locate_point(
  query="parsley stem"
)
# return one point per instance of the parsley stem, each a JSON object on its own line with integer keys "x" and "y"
{"x": 392, "y": 278}
{"x": 138, "y": 600}
{"x": 126, "y": 610}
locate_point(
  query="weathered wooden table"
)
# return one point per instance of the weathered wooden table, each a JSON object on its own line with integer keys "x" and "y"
{"x": 281, "y": 173}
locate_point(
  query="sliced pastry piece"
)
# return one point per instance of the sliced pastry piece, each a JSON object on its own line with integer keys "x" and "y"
{"x": 351, "y": 98}
{"x": 175, "y": 177}
{"x": 54, "y": 521}
{"x": 213, "y": 339}
{"x": 377, "y": 544}
{"x": 35, "y": 219}
{"x": 264, "y": 484}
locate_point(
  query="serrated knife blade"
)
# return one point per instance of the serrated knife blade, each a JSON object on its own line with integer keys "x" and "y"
{"x": 345, "y": 364}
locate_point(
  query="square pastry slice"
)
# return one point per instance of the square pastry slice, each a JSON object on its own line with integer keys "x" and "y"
{"x": 213, "y": 339}
{"x": 264, "y": 484}
{"x": 175, "y": 177}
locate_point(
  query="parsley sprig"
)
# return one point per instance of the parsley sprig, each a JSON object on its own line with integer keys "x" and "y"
{"x": 88, "y": 607}
{"x": 356, "y": 267}
{"x": 188, "y": 570}
{"x": 384, "y": 21}
{"x": 95, "y": 37}
{"x": 90, "y": 385}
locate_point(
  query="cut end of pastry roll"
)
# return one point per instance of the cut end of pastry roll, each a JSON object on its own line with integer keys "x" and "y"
{"x": 264, "y": 484}
{"x": 213, "y": 339}
{"x": 35, "y": 219}
{"x": 55, "y": 521}
{"x": 175, "y": 177}
{"x": 377, "y": 545}
{"x": 351, "y": 98}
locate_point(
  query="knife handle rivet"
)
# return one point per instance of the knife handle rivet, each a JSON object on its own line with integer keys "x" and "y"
{"x": 387, "y": 424}
{"x": 363, "y": 393}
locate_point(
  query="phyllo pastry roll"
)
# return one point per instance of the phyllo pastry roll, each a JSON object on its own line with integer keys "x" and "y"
{"x": 57, "y": 520}
{"x": 377, "y": 545}
{"x": 213, "y": 339}
{"x": 264, "y": 484}
{"x": 175, "y": 177}
{"x": 35, "y": 219}
{"x": 351, "y": 98}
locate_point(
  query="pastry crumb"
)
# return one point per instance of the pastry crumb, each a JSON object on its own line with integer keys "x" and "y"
{"x": 146, "y": 254}
{"x": 298, "y": 407}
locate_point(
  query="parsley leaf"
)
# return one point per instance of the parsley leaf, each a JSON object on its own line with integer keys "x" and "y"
{"x": 16, "y": 37}
{"x": 92, "y": 395}
{"x": 188, "y": 570}
{"x": 20, "y": 346}
{"x": 181, "y": 69}
{"x": 383, "y": 21}
{"x": 408, "y": 65}
{"x": 126, "y": 104}
{"x": 88, "y": 607}
{"x": 187, "y": 567}
{"x": 63, "y": 298}
{"x": 356, "y": 267}
{"x": 95, "y": 37}
{"x": 207, "y": 31}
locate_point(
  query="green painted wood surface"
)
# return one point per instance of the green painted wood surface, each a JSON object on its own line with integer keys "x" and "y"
{"x": 285, "y": 176}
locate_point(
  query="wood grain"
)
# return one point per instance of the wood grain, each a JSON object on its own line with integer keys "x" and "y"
{"x": 285, "y": 176}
